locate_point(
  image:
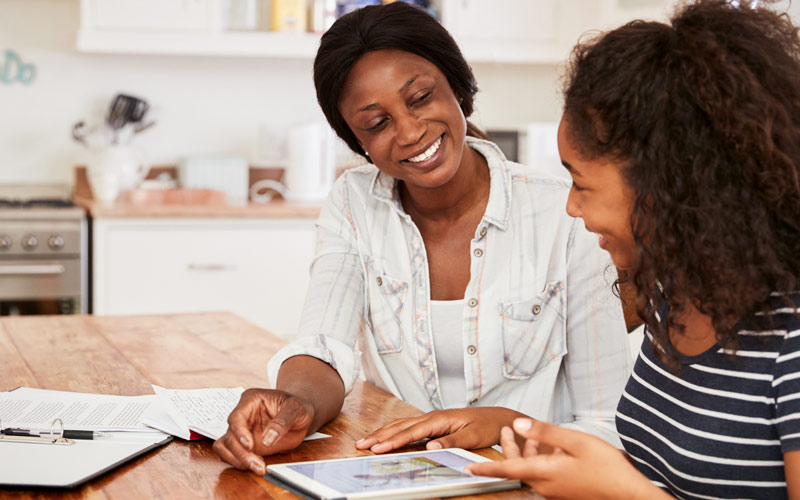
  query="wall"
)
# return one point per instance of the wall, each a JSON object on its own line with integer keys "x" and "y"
{"x": 202, "y": 104}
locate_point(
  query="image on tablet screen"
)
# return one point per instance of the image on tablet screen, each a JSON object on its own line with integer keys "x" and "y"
{"x": 378, "y": 473}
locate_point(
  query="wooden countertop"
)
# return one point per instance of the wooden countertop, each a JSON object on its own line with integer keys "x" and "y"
{"x": 126, "y": 208}
{"x": 125, "y": 354}
{"x": 273, "y": 209}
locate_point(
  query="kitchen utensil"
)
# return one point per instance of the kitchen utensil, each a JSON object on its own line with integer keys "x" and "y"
{"x": 125, "y": 109}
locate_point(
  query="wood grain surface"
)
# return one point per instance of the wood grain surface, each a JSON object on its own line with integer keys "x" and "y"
{"x": 125, "y": 354}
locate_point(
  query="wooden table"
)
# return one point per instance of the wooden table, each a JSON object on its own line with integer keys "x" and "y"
{"x": 125, "y": 354}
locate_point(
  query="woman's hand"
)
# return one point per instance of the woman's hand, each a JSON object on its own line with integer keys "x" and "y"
{"x": 581, "y": 466}
{"x": 463, "y": 428}
{"x": 264, "y": 422}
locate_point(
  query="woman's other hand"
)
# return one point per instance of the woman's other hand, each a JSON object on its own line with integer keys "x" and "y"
{"x": 468, "y": 428}
{"x": 580, "y": 465}
{"x": 264, "y": 422}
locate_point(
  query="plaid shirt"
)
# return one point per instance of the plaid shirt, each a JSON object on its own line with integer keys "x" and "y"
{"x": 541, "y": 331}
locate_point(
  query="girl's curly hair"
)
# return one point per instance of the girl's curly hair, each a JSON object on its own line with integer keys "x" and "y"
{"x": 704, "y": 114}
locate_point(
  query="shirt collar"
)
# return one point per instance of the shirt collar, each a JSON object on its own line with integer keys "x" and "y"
{"x": 498, "y": 209}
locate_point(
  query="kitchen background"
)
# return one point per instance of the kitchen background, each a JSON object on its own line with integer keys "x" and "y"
{"x": 216, "y": 91}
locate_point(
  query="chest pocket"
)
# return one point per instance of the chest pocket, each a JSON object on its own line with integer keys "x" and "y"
{"x": 534, "y": 332}
{"x": 387, "y": 298}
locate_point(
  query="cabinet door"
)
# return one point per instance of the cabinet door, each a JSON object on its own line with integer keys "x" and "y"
{"x": 256, "y": 269}
{"x": 503, "y": 30}
{"x": 173, "y": 15}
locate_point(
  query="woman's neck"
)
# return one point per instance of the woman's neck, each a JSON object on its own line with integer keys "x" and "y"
{"x": 467, "y": 190}
{"x": 698, "y": 335}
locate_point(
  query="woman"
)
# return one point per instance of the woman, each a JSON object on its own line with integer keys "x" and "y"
{"x": 683, "y": 142}
{"x": 455, "y": 272}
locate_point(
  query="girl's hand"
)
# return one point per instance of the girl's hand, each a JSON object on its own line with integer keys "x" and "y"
{"x": 580, "y": 466}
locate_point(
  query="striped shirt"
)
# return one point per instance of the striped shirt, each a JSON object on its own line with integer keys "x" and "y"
{"x": 540, "y": 330}
{"x": 719, "y": 425}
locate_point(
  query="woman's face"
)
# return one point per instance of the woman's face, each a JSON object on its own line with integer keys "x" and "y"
{"x": 601, "y": 197}
{"x": 406, "y": 117}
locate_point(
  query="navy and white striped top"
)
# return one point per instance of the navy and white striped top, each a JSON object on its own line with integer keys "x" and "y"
{"x": 718, "y": 427}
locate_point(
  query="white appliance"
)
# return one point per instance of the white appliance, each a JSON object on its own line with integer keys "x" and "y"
{"x": 311, "y": 168}
{"x": 534, "y": 144}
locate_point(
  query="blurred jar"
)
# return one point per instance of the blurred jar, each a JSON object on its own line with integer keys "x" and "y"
{"x": 240, "y": 15}
{"x": 322, "y": 14}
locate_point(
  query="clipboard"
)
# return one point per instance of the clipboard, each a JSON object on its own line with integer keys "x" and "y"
{"x": 51, "y": 460}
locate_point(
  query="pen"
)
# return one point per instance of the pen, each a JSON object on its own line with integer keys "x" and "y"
{"x": 68, "y": 434}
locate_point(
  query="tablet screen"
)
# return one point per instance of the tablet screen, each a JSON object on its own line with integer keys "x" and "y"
{"x": 439, "y": 468}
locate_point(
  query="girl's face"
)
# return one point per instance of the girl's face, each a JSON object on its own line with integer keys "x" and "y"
{"x": 601, "y": 197}
{"x": 406, "y": 117}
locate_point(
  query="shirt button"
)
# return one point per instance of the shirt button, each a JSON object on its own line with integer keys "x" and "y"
{"x": 483, "y": 231}
{"x": 472, "y": 302}
{"x": 536, "y": 309}
{"x": 380, "y": 281}
{"x": 471, "y": 349}
{"x": 478, "y": 252}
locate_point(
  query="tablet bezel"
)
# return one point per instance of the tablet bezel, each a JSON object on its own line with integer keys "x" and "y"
{"x": 323, "y": 491}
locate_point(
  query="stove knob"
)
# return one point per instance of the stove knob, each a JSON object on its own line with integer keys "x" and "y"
{"x": 5, "y": 242}
{"x": 29, "y": 242}
{"x": 55, "y": 242}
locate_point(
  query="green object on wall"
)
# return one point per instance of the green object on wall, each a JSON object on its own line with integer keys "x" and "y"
{"x": 13, "y": 69}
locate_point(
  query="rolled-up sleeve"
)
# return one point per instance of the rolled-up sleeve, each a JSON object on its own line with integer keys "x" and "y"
{"x": 333, "y": 312}
{"x": 598, "y": 360}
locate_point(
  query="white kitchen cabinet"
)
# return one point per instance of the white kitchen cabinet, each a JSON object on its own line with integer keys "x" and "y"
{"x": 501, "y": 31}
{"x": 535, "y": 31}
{"x": 179, "y": 27}
{"x": 256, "y": 268}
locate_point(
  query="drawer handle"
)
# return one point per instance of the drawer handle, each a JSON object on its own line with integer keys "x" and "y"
{"x": 210, "y": 267}
{"x": 32, "y": 270}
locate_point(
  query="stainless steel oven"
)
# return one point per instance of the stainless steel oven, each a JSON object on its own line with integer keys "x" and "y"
{"x": 43, "y": 251}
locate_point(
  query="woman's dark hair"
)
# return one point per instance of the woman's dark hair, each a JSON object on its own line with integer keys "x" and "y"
{"x": 394, "y": 26}
{"x": 704, "y": 116}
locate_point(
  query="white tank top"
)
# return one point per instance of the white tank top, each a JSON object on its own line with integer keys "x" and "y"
{"x": 448, "y": 345}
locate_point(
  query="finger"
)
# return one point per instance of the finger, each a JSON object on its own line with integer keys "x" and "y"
{"x": 229, "y": 450}
{"x": 462, "y": 438}
{"x": 568, "y": 440}
{"x": 531, "y": 448}
{"x": 524, "y": 469}
{"x": 431, "y": 427}
{"x": 509, "y": 443}
{"x": 290, "y": 416}
{"x": 385, "y": 432}
{"x": 239, "y": 424}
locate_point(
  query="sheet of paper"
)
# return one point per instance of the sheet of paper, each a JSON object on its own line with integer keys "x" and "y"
{"x": 36, "y": 409}
{"x": 205, "y": 411}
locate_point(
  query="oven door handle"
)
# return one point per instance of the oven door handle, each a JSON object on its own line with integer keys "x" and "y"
{"x": 32, "y": 269}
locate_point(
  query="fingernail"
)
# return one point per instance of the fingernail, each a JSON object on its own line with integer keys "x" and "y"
{"x": 270, "y": 437}
{"x": 434, "y": 445}
{"x": 522, "y": 424}
{"x": 361, "y": 442}
{"x": 257, "y": 467}
{"x": 378, "y": 448}
{"x": 245, "y": 442}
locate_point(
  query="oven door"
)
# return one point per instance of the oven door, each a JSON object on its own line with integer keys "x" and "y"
{"x": 46, "y": 286}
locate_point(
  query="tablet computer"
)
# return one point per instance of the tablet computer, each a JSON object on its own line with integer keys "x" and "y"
{"x": 419, "y": 474}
